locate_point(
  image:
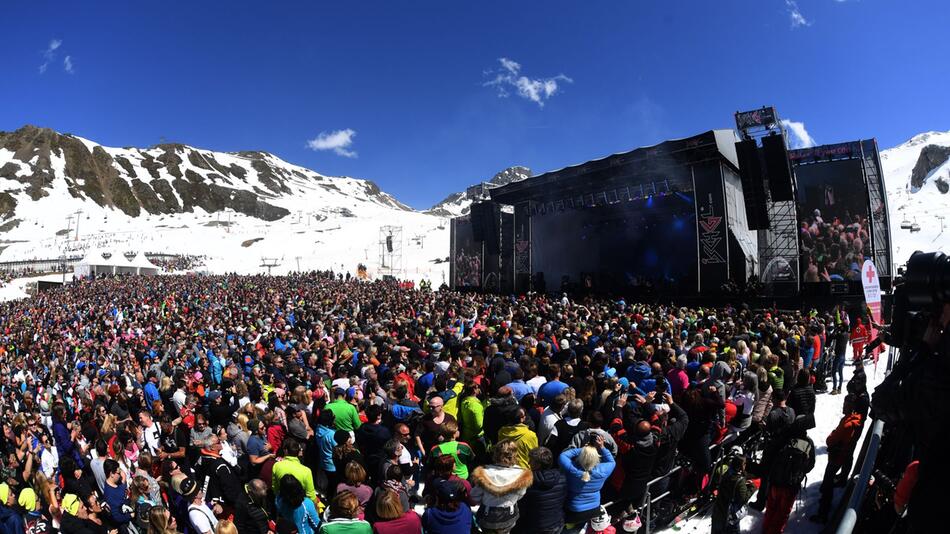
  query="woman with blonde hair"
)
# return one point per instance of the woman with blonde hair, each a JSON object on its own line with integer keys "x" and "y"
{"x": 161, "y": 521}
{"x": 498, "y": 487}
{"x": 226, "y": 526}
{"x": 586, "y": 468}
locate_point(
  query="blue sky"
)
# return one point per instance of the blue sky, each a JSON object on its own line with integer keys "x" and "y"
{"x": 414, "y": 95}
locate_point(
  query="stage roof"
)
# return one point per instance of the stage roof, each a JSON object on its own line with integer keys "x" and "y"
{"x": 668, "y": 160}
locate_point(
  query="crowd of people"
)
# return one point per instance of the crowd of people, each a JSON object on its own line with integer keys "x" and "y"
{"x": 316, "y": 404}
{"x": 833, "y": 247}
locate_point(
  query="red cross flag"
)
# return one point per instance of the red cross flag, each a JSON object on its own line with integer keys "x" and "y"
{"x": 872, "y": 297}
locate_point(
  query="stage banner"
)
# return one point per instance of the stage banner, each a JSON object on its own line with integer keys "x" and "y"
{"x": 711, "y": 226}
{"x": 872, "y": 297}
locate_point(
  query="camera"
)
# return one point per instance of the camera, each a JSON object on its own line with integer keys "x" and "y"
{"x": 918, "y": 298}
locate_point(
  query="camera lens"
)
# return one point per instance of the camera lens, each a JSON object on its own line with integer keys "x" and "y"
{"x": 927, "y": 280}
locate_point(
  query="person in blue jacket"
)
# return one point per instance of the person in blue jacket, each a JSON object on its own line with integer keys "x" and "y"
{"x": 586, "y": 469}
{"x": 115, "y": 492}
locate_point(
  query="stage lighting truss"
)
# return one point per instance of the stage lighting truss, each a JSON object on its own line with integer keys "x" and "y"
{"x": 605, "y": 197}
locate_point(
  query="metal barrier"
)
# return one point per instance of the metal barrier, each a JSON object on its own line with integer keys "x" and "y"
{"x": 850, "y": 516}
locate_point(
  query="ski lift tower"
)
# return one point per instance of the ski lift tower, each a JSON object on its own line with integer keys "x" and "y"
{"x": 390, "y": 251}
{"x": 270, "y": 263}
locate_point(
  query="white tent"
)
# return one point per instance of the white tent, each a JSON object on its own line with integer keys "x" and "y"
{"x": 143, "y": 266}
{"x": 92, "y": 263}
{"x": 121, "y": 264}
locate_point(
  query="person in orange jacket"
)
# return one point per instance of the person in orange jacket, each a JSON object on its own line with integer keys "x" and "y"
{"x": 840, "y": 445}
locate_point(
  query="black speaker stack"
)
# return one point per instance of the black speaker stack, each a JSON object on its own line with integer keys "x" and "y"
{"x": 756, "y": 166}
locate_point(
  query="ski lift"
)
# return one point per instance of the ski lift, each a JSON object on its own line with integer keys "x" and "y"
{"x": 906, "y": 224}
{"x": 914, "y": 227}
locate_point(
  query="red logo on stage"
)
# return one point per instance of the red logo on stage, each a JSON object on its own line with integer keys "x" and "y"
{"x": 710, "y": 223}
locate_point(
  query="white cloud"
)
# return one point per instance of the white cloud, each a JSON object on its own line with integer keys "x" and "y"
{"x": 536, "y": 90}
{"x": 68, "y": 64}
{"x": 798, "y": 20}
{"x": 50, "y": 53}
{"x": 799, "y": 138}
{"x": 53, "y": 45}
{"x": 338, "y": 141}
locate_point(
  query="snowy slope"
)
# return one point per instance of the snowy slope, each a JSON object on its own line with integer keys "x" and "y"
{"x": 235, "y": 208}
{"x": 924, "y": 204}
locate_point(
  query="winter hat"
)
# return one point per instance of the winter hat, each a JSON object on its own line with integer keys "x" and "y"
{"x": 565, "y": 344}
{"x": 448, "y": 490}
{"x": 27, "y": 499}
{"x": 70, "y": 504}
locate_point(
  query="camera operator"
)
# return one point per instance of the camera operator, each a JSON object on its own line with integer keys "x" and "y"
{"x": 913, "y": 401}
{"x": 926, "y": 394}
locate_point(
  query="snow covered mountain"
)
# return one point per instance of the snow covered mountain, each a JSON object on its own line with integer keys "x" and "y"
{"x": 917, "y": 177}
{"x": 459, "y": 203}
{"x": 62, "y": 194}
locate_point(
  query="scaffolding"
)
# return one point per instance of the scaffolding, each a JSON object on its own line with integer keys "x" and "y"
{"x": 778, "y": 244}
{"x": 390, "y": 252}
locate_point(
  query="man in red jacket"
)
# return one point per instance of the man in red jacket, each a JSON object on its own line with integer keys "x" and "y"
{"x": 859, "y": 337}
{"x": 840, "y": 445}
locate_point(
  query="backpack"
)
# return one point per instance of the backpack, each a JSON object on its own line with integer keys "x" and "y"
{"x": 792, "y": 463}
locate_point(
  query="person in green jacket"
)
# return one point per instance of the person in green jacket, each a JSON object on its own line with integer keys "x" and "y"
{"x": 733, "y": 494}
{"x": 346, "y": 416}
{"x": 290, "y": 465}
{"x": 471, "y": 415}
{"x": 459, "y": 450}
{"x": 776, "y": 374}
{"x": 344, "y": 509}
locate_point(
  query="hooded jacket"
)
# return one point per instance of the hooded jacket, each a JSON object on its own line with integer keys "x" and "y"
{"x": 542, "y": 507}
{"x": 524, "y": 438}
{"x": 496, "y": 486}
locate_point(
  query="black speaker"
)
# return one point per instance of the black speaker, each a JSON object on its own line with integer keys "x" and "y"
{"x": 479, "y": 212}
{"x": 777, "y": 167}
{"x": 485, "y": 220}
{"x": 389, "y": 243}
{"x": 753, "y": 184}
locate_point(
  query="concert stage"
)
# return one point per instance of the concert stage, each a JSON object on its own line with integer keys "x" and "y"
{"x": 670, "y": 216}
{"x": 712, "y": 214}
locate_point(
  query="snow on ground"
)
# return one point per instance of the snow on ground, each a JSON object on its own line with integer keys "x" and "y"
{"x": 827, "y": 416}
{"x": 333, "y": 222}
{"x": 16, "y": 289}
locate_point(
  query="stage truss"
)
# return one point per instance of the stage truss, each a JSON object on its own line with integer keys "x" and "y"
{"x": 390, "y": 252}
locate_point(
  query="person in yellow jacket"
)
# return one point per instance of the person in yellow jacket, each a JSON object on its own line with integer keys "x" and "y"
{"x": 525, "y": 439}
